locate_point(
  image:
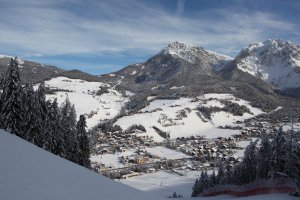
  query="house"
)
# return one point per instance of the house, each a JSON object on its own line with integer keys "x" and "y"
{"x": 133, "y": 174}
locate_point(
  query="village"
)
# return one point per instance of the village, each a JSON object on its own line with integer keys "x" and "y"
{"x": 120, "y": 155}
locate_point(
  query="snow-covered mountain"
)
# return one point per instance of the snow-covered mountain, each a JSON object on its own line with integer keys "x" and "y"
{"x": 183, "y": 67}
{"x": 30, "y": 173}
{"x": 196, "y": 55}
{"x": 274, "y": 61}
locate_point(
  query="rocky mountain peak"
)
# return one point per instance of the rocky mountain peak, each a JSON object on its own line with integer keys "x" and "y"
{"x": 275, "y": 61}
{"x": 195, "y": 55}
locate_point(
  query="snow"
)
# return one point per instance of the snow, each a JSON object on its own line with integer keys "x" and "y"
{"x": 30, "y": 173}
{"x": 129, "y": 93}
{"x": 225, "y": 57}
{"x": 175, "y": 87}
{"x": 82, "y": 94}
{"x": 111, "y": 160}
{"x": 162, "y": 183}
{"x": 296, "y": 62}
{"x": 193, "y": 54}
{"x": 20, "y": 62}
{"x": 77, "y": 85}
{"x": 163, "y": 114}
{"x": 243, "y": 144}
{"x": 5, "y": 56}
{"x": 149, "y": 98}
{"x": 273, "y": 61}
{"x": 163, "y": 152}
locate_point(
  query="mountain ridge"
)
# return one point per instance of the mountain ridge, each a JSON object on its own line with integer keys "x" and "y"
{"x": 274, "y": 61}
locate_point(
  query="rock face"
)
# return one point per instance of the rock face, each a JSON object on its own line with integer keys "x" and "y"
{"x": 197, "y": 55}
{"x": 274, "y": 61}
{"x": 177, "y": 65}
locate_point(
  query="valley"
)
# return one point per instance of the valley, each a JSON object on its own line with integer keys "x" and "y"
{"x": 157, "y": 125}
{"x": 190, "y": 134}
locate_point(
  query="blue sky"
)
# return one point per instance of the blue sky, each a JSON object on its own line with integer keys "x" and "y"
{"x": 103, "y": 36}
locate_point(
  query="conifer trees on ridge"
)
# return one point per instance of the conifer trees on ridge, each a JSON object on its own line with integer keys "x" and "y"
{"x": 279, "y": 156}
{"x": 27, "y": 114}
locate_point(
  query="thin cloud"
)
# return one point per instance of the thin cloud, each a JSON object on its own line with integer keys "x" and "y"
{"x": 180, "y": 6}
{"x": 126, "y": 27}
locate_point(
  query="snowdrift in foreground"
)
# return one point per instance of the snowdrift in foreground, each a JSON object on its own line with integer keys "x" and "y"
{"x": 30, "y": 173}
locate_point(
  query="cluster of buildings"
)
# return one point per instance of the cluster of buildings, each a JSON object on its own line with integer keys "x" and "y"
{"x": 206, "y": 150}
{"x": 205, "y": 153}
{"x": 109, "y": 143}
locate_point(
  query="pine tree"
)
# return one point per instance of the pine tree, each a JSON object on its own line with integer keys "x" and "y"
{"x": 264, "y": 158}
{"x": 32, "y": 122}
{"x": 249, "y": 163}
{"x": 42, "y": 107}
{"x": 199, "y": 185}
{"x": 12, "y": 109}
{"x": 279, "y": 152}
{"x": 196, "y": 188}
{"x": 292, "y": 157}
{"x": 214, "y": 178}
{"x": 83, "y": 142}
{"x": 68, "y": 122}
{"x": 221, "y": 174}
{"x": 57, "y": 142}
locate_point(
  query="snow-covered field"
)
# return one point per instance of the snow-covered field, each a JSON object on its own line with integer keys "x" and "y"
{"x": 165, "y": 114}
{"x": 113, "y": 160}
{"x": 164, "y": 184}
{"x": 82, "y": 94}
{"x": 163, "y": 152}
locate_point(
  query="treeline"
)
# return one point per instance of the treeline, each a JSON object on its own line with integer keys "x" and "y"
{"x": 265, "y": 161}
{"x": 230, "y": 107}
{"x": 27, "y": 114}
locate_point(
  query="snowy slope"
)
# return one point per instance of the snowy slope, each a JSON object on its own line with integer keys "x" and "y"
{"x": 30, "y": 173}
{"x": 164, "y": 115}
{"x": 165, "y": 184}
{"x": 194, "y": 54}
{"x": 83, "y": 95}
{"x": 275, "y": 61}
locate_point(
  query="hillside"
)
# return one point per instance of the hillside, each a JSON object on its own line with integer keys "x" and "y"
{"x": 30, "y": 173}
{"x": 276, "y": 62}
{"x": 172, "y": 67}
{"x": 99, "y": 101}
{"x": 31, "y": 72}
